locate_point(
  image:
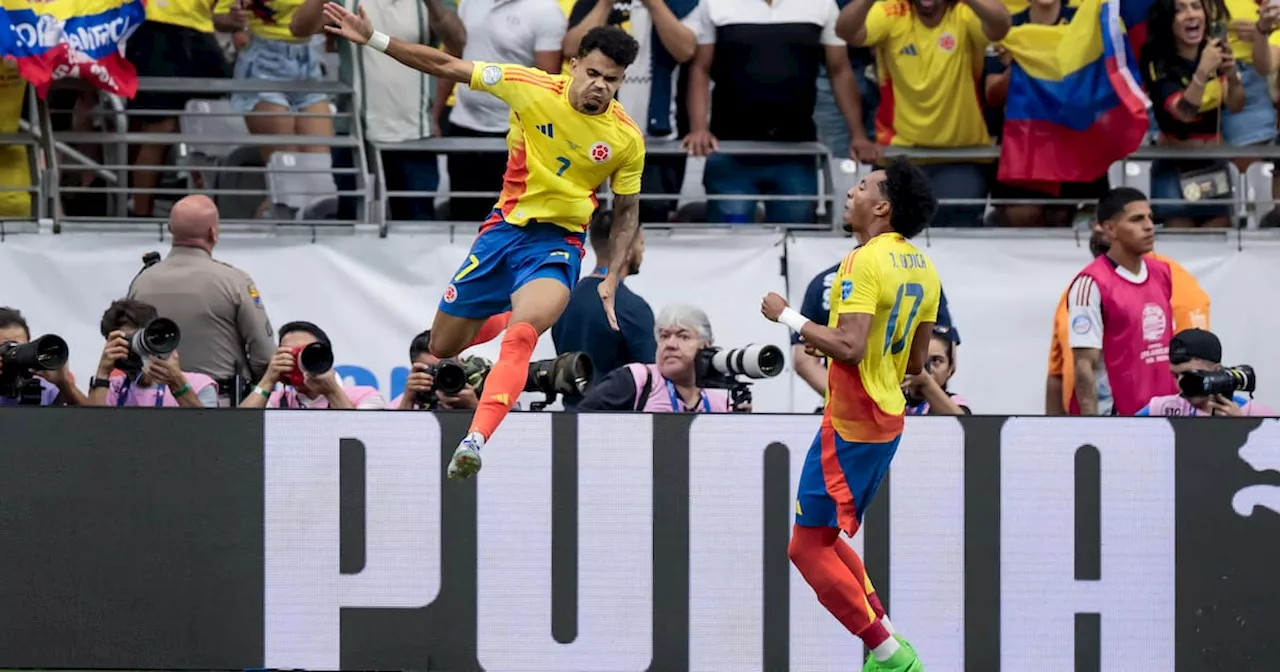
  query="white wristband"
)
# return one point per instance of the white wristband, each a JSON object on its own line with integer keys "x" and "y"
{"x": 792, "y": 319}
{"x": 379, "y": 41}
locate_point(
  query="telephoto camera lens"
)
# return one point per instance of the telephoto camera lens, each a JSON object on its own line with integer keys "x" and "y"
{"x": 1226, "y": 382}
{"x": 157, "y": 339}
{"x": 316, "y": 359}
{"x": 450, "y": 378}
{"x": 47, "y": 353}
{"x": 568, "y": 374}
{"x": 752, "y": 361}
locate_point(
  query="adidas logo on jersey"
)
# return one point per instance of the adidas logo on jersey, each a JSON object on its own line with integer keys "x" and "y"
{"x": 547, "y": 130}
{"x": 909, "y": 50}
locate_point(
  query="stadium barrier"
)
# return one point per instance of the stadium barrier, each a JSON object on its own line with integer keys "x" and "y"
{"x": 1251, "y": 198}
{"x": 144, "y": 539}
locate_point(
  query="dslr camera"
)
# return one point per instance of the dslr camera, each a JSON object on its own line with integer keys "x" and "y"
{"x": 451, "y": 377}
{"x": 569, "y": 374}
{"x": 719, "y": 369}
{"x": 313, "y": 358}
{"x": 18, "y": 364}
{"x": 1226, "y": 381}
{"x": 157, "y": 339}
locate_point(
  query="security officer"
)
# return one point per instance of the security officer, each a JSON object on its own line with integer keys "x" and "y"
{"x": 225, "y": 331}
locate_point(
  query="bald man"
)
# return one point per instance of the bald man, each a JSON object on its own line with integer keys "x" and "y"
{"x": 225, "y": 330}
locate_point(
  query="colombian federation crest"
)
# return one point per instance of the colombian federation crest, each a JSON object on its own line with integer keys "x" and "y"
{"x": 450, "y": 293}
{"x": 600, "y": 152}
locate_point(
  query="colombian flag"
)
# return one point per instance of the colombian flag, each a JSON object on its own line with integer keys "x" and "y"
{"x": 1075, "y": 102}
{"x": 56, "y": 39}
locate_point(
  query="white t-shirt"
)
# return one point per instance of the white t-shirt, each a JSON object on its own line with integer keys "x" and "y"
{"x": 503, "y": 31}
{"x": 394, "y": 99}
{"x": 1084, "y": 315}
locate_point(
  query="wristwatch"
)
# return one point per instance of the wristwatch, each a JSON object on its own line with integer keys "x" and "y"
{"x": 96, "y": 382}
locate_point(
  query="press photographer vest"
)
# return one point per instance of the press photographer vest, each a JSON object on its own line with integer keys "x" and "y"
{"x": 654, "y": 395}
{"x": 1137, "y": 327}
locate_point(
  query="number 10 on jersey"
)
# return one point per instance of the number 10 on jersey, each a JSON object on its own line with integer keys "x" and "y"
{"x": 913, "y": 291}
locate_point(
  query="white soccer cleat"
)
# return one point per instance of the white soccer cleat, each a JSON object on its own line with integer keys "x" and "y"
{"x": 466, "y": 459}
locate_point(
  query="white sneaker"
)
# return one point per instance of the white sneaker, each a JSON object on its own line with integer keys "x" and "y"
{"x": 466, "y": 459}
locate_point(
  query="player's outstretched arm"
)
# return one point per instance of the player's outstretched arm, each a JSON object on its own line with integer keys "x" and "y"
{"x": 359, "y": 30}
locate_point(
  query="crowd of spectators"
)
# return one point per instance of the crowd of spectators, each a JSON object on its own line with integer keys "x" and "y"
{"x": 857, "y": 75}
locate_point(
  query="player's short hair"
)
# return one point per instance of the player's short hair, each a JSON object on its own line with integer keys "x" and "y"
{"x": 307, "y": 328}
{"x": 910, "y": 193}
{"x": 127, "y": 313}
{"x": 421, "y": 345}
{"x": 611, "y": 41}
{"x": 686, "y": 316}
{"x": 12, "y": 317}
{"x": 600, "y": 230}
{"x": 1114, "y": 202}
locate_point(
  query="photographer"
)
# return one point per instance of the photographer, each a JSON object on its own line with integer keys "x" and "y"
{"x": 307, "y": 376}
{"x": 1193, "y": 353}
{"x": 421, "y": 389}
{"x": 670, "y": 386}
{"x": 57, "y": 387}
{"x": 926, "y": 392}
{"x": 127, "y": 377}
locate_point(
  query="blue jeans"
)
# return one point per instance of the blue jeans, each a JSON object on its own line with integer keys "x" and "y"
{"x": 754, "y": 175}
{"x": 1256, "y": 123}
{"x": 959, "y": 180}
{"x": 833, "y": 131}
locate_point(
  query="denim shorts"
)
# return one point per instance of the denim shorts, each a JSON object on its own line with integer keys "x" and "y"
{"x": 277, "y": 61}
{"x": 1256, "y": 123}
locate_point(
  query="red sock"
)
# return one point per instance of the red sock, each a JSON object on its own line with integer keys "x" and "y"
{"x": 506, "y": 379}
{"x": 490, "y": 329}
{"x": 838, "y": 588}
{"x": 851, "y": 560}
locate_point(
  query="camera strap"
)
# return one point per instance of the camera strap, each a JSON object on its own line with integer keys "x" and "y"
{"x": 675, "y": 398}
{"x": 126, "y": 389}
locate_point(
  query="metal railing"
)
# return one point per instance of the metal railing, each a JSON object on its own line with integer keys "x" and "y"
{"x": 827, "y": 212}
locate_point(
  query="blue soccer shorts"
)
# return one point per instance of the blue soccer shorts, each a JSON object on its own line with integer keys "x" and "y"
{"x": 504, "y": 258}
{"x": 839, "y": 479}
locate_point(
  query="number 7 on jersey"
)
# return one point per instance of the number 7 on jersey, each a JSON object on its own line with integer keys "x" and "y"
{"x": 910, "y": 290}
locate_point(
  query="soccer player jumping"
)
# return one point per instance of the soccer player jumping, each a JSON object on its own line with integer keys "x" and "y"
{"x": 883, "y": 305}
{"x": 568, "y": 135}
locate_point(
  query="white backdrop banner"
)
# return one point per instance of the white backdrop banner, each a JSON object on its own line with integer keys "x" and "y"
{"x": 373, "y": 295}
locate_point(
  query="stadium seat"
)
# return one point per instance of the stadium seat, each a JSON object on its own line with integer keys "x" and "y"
{"x": 1258, "y": 192}
{"x": 301, "y": 191}
{"x": 241, "y": 206}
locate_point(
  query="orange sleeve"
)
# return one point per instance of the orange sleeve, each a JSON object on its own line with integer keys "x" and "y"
{"x": 1055, "y": 349}
{"x": 1066, "y": 363}
{"x": 1190, "y": 302}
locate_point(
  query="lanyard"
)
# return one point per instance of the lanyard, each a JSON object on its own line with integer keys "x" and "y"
{"x": 675, "y": 399}
{"x": 126, "y": 389}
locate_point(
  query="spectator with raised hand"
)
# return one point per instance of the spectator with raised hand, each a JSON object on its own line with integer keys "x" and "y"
{"x": 275, "y": 54}
{"x": 523, "y": 32}
{"x": 670, "y": 54}
{"x": 396, "y": 102}
{"x": 927, "y": 53}
{"x": 1192, "y": 78}
{"x": 833, "y": 131}
{"x": 764, "y": 59}
{"x": 1251, "y": 24}
{"x": 996, "y": 75}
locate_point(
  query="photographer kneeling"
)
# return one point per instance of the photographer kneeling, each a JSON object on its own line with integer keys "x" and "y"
{"x": 140, "y": 366}
{"x": 1205, "y": 386}
{"x": 926, "y": 392}
{"x": 304, "y": 364}
{"x": 436, "y": 384}
{"x": 671, "y": 385}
